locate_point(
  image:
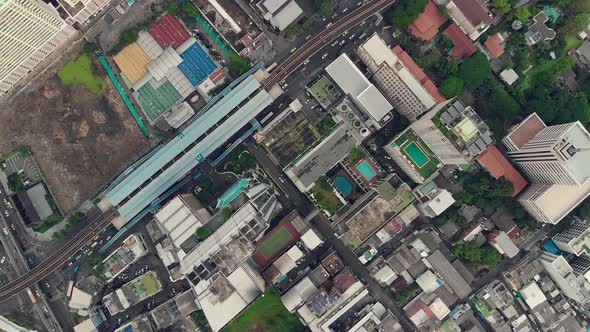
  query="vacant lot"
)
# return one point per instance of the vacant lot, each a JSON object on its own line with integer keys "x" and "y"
{"x": 79, "y": 139}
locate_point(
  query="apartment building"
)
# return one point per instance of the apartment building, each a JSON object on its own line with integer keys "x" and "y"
{"x": 81, "y": 11}
{"x": 30, "y": 31}
{"x": 575, "y": 239}
{"x": 472, "y": 16}
{"x": 555, "y": 159}
{"x": 572, "y": 279}
{"x": 401, "y": 80}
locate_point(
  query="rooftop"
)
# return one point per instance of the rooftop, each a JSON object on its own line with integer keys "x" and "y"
{"x": 168, "y": 31}
{"x": 352, "y": 81}
{"x": 419, "y": 74}
{"x": 523, "y": 132}
{"x": 463, "y": 46}
{"x": 417, "y": 153}
{"x": 426, "y": 25}
{"x": 494, "y": 45}
{"x": 286, "y": 16}
{"x": 475, "y": 11}
{"x": 498, "y": 166}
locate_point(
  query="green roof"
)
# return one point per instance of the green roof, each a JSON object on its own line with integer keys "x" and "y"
{"x": 155, "y": 101}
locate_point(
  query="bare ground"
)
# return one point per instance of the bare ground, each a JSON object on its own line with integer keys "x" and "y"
{"x": 79, "y": 140}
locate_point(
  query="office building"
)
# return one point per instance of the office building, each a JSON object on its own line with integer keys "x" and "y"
{"x": 30, "y": 31}
{"x": 556, "y": 160}
{"x": 558, "y": 154}
{"x": 573, "y": 283}
{"x": 575, "y": 239}
{"x": 402, "y": 81}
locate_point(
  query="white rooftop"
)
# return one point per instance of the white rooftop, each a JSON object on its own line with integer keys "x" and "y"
{"x": 273, "y": 5}
{"x": 298, "y": 294}
{"x": 509, "y": 76}
{"x": 533, "y": 295}
{"x": 428, "y": 281}
{"x": 85, "y": 326}
{"x": 352, "y": 81}
{"x": 295, "y": 253}
{"x": 442, "y": 201}
{"x": 178, "y": 221}
{"x": 80, "y": 299}
{"x": 559, "y": 200}
{"x": 311, "y": 239}
{"x": 282, "y": 19}
{"x": 579, "y": 137}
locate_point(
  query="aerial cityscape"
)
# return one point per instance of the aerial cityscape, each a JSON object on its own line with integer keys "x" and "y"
{"x": 294, "y": 165}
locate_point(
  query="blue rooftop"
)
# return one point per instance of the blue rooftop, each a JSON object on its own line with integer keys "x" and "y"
{"x": 196, "y": 65}
{"x": 146, "y": 181}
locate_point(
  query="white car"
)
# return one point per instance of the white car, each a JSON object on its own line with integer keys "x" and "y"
{"x": 306, "y": 62}
{"x": 324, "y": 56}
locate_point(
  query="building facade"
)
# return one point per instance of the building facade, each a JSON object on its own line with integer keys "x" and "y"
{"x": 30, "y": 30}
{"x": 572, "y": 282}
{"x": 555, "y": 159}
{"x": 575, "y": 239}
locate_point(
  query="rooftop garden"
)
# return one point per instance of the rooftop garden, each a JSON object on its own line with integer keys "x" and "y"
{"x": 324, "y": 197}
{"x": 417, "y": 153}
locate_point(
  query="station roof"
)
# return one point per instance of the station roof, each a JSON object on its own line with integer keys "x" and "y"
{"x": 189, "y": 148}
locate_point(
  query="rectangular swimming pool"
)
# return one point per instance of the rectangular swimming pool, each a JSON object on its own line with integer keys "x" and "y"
{"x": 366, "y": 170}
{"x": 417, "y": 155}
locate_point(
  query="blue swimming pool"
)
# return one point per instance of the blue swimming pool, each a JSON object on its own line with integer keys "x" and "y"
{"x": 343, "y": 186}
{"x": 366, "y": 170}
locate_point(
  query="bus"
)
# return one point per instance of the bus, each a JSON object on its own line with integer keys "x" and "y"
{"x": 31, "y": 296}
{"x": 70, "y": 289}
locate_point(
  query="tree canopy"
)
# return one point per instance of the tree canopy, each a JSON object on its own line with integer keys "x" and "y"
{"x": 238, "y": 65}
{"x": 406, "y": 12}
{"x": 475, "y": 70}
{"x": 190, "y": 9}
{"x": 451, "y": 87}
{"x": 173, "y": 8}
{"x": 323, "y": 7}
{"x": 203, "y": 232}
{"x": 129, "y": 37}
{"x": 482, "y": 190}
{"x": 503, "y": 5}
{"x": 522, "y": 14}
{"x": 484, "y": 256}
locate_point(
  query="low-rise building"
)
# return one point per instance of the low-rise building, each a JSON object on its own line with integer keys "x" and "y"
{"x": 499, "y": 167}
{"x": 538, "y": 30}
{"x": 132, "y": 248}
{"x": 437, "y": 202}
{"x": 472, "y": 16}
{"x": 80, "y": 302}
{"x": 280, "y": 13}
{"x": 133, "y": 292}
{"x": 501, "y": 242}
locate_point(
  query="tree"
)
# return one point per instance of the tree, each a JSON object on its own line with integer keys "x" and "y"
{"x": 76, "y": 217}
{"x": 356, "y": 154}
{"x": 238, "y": 65}
{"x": 203, "y": 232}
{"x": 15, "y": 182}
{"x": 129, "y": 37}
{"x": 227, "y": 212}
{"x": 323, "y": 7}
{"x": 483, "y": 191}
{"x": 503, "y": 105}
{"x": 190, "y": 9}
{"x": 503, "y": 5}
{"x": 406, "y": 12}
{"x": 447, "y": 67}
{"x": 173, "y": 8}
{"x": 446, "y": 42}
{"x": 475, "y": 70}
{"x": 90, "y": 47}
{"x": 469, "y": 252}
{"x": 451, "y": 87}
{"x": 522, "y": 14}
{"x": 578, "y": 23}
{"x": 583, "y": 210}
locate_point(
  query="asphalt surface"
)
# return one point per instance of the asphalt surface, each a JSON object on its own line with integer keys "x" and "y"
{"x": 322, "y": 39}
{"x": 60, "y": 256}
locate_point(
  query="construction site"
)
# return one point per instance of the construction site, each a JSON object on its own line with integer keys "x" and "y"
{"x": 80, "y": 140}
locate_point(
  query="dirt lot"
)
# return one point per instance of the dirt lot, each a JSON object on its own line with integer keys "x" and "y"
{"x": 80, "y": 140}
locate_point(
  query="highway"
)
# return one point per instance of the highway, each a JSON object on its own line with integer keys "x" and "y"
{"x": 57, "y": 258}
{"x": 325, "y": 37}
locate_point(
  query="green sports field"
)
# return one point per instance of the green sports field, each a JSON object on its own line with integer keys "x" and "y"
{"x": 275, "y": 243}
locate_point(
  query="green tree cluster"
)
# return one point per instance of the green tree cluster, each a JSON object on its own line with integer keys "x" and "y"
{"x": 238, "y": 65}
{"x": 128, "y": 37}
{"x": 475, "y": 70}
{"x": 173, "y": 8}
{"x": 356, "y": 154}
{"x": 522, "y": 14}
{"x": 406, "y": 12}
{"x": 15, "y": 182}
{"x": 204, "y": 232}
{"x": 474, "y": 255}
{"x": 325, "y": 125}
{"x": 201, "y": 321}
{"x": 297, "y": 29}
{"x": 451, "y": 87}
{"x": 227, "y": 212}
{"x": 503, "y": 5}
{"x": 482, "y": 190}
{"x": 90, "y": 47}
{"x": 190, "y": 9}
{"x": 323, "y": 7}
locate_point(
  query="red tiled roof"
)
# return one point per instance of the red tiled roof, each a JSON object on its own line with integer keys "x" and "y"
{"x": 416, "y": 307}
{"x": 464, "y": 48}
{"x": 494, "y": 45}
{"x": 426, "y": 25}
{"x": 419, "y": 74}
{"x": 498, "y": 166}
{"x": 344, "y": 280}
{"x": 526, "y": 130}
{"x": 167, "y": 30}
{"x": 217, "y": 76}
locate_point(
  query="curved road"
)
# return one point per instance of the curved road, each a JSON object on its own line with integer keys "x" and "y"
{"x": 285, "y": 69}
{"x": 325, "y": 37}
{"x": 55, "y": 260}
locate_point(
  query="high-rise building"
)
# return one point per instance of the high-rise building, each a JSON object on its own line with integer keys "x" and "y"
{"x": 575, "y": 239}
{"x": 573, "y": 280}
{"x": 30, "y": 30}
{"x": 555, "y": 159}
{"x": 401, "y": 80}
{"x": 81, "y": 11}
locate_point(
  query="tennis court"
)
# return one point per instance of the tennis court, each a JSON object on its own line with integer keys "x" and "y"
{"x": 417, "y": 155}
{"x": 276, "y": 242}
